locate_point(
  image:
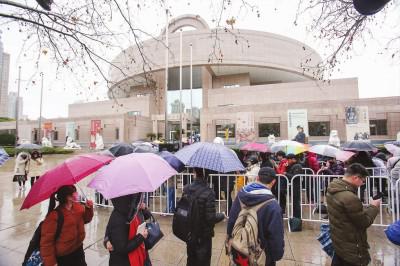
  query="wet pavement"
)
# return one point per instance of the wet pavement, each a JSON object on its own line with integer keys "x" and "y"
{"x": 17, "y": 227}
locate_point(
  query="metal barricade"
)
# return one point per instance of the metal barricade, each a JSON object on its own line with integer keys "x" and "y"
{"x": 309, "y": 211}
{"x": 395, "y": 192}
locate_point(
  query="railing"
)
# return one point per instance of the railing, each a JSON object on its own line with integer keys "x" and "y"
{"x": 303, "y": 196}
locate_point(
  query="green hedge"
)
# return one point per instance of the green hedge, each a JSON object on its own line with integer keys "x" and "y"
{"x": 7, "y": 139}
{"x": 45, "y": 150}
{"x": 6, "y": 119}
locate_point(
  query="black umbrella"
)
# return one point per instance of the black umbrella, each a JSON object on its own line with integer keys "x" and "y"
{"x": 359, "y": 145}
{"x": 173, "y": 161}
{"x": 122, "y": 148}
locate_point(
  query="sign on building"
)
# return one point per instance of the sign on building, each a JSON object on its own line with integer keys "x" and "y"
{"x": 47, "y": 128}
{"x": 70, "y": 130}
{"x": 245, "y": 129}
{"x": 357, "y": 123}
{"x": 95, "y": 127}
{"x": 297, "y": 117}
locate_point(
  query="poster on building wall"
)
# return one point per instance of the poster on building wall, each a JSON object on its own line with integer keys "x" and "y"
{"x": 357, "y": 123}
{"x": 297, "y": 117}
{"x": 95, "y": 126}
{"x": 70, "y": 130}
{"x": 47, "y": 128}
{"x": 245, "y": 129}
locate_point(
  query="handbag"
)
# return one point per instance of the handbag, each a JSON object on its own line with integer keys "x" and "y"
{"x": 325, "y": 239}
{"x": 154, "y": 233}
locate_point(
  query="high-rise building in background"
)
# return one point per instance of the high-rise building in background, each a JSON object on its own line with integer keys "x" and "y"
{"x": 4, "y": 76}
{"x": 12, "y": 105}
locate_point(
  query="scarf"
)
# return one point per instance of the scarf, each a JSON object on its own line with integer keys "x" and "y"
{"x": 137, "y": 257}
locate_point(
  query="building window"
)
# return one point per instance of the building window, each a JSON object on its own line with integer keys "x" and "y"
{"x": 117, "y": 133}
{"x": 378, "y": 127}
{"x": 266, "y": 129}
{"x": 55, "y": 135}
{"x": 318, "y": 129}
{"x": 133, "y": 113}
{"x": 225, "y": 131}
{"x": 76, "y": 134}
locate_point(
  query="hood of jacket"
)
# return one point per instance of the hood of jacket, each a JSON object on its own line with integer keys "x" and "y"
{"x": 127, "y": 205}
{"x": 339, "y": 185}
{"x": 19, "y": 158}
{"x": 254, "y": 194}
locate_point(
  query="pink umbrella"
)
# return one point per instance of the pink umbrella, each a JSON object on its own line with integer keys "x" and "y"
{"x": 344, "y": 155}
{"x": 132, "y": 173}
{"x": 254, "y": 146}
{"x": 68, "y": 173}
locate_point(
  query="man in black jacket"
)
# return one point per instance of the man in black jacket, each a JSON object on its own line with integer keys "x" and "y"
{"x": 294, "y": 168}
{"x": 199, "y": 250}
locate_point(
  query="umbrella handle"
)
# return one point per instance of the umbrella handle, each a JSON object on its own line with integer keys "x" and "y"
{"x": 83, "y": 193}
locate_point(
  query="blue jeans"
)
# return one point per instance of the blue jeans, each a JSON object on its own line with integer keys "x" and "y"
{"x": 170, "y": 199}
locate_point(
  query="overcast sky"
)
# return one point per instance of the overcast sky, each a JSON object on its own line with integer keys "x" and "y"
{"x": 378, "y": 74}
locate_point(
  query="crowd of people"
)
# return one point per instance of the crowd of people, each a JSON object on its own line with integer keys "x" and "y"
{"x": 255, "y": 213}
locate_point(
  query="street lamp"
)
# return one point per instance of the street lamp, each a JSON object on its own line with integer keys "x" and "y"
{"x": 40, "y": 113}
{"x": 17, "y": 107}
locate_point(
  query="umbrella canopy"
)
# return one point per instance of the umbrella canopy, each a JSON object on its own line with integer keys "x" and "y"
{"x": 28, "y": 146}
{"x": 172, "y": 160}
{"x": 69, "y": 172}
{"x": 255, "y": 146}
{"x": 359, "y": 145}
{"x": 289, "y": 146}
{"x": 143, "y": 147}
{"x": 132, "y": 173}
{"x": 122, "y": 148}
{"x": 210, "y": 156}
{"x": 396, "y": 143}
{"x": 393, "y": 149}
{"x": 3, "y": 156}
{"x": 324, "y": 150}
{"x": 344, "y": 155}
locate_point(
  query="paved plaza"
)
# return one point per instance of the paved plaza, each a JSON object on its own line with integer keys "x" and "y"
{"x": 17, "y": 227}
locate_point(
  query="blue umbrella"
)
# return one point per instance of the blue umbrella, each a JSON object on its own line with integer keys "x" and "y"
{"x": 210, "y": 156}
{"x": 3, "y": 156}
{"x": 173, "y": 161}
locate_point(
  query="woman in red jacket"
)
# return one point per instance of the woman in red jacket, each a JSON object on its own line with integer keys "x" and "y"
{"x": 67, "y": 249}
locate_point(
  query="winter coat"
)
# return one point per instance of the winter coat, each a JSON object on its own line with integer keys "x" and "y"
{"x": 117, "y": 231}
{"x": 281, "y": 169}
{"x": 22, "y": 165}
{"x": 293, "y": 170}
{"x": 71, "y": 236}
{"x": 393, "y": 162}
{"x": 312, "y": 162}
{"x": 270, "y": 222}
{"x": 252, "y": 172}
{"x": 206, "y": 203}
{"x": 300, "y": 137}
{"x": 36, "y": 167}
{"x": 349, "y": 222}
{"x": 334, "y": 169}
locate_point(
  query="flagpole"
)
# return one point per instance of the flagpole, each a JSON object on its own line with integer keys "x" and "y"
{"x": 166, "y": 135}
{"x": 180, "y": 89}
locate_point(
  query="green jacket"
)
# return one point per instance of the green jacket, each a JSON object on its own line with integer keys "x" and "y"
{"x": 349, "y": 221}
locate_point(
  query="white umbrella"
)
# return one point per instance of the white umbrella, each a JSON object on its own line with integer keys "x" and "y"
{"x": 393, "y": 149}
{"x": 324, "y": 150}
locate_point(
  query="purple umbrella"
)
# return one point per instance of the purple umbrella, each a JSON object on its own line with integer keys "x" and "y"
{"x": 172, "y": 160}
{"x": 132, "y": 173}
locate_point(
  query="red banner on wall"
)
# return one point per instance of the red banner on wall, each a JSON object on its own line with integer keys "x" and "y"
{"x": 95, "y": 127}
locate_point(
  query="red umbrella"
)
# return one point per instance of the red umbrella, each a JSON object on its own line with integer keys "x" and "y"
{"x": 68, "y": 173}
{"x": 254, "y": 146}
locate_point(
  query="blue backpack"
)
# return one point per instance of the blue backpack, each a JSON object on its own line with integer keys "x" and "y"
{"x": 393, "y": 233}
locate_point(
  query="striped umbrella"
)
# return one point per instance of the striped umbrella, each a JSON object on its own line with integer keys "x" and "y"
{"x": 3, "y": 156}
{"x": 210, "y": 156}
{"x": 289, "y": 146}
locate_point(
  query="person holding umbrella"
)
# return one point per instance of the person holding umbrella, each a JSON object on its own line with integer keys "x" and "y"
{"x": 68, "y": 248}
{"x": 124, "y": 237}
{"x": 36, "y": 166}
{"x": 21, "y": 169}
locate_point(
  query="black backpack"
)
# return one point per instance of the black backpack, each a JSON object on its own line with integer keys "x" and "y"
{"x": 186, "y": 221}
{"x": 34, "y": 244}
